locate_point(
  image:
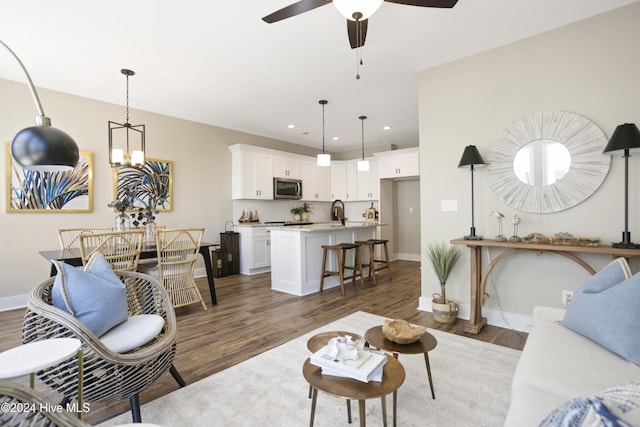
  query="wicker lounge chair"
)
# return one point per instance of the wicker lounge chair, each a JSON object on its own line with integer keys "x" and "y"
{"x": 108, "y": 375}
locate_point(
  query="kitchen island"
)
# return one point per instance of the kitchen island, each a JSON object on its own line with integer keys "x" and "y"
{"x": 296, "y": 254}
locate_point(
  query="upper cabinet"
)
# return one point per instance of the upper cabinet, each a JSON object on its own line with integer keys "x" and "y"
{"x": 251, "y": 175}
{"x": 286, "y": 167}
{"x": 315, "y": 181}
{"x": 398, "y": 163}
{"x": 368, "y": 183}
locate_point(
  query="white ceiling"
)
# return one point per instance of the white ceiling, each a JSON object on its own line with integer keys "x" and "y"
{"x": 217, "y": 62}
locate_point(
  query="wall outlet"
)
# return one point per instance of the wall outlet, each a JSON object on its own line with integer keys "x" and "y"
{"x": 566, "y": 298}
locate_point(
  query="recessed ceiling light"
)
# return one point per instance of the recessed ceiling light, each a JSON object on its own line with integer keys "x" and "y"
{"x": 387, "y": 128}
{"x": 292, "y": 126}
{"x": 335, "y": 138}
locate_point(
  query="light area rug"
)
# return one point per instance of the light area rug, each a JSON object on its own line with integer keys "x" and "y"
{"x": 472, "y": 381}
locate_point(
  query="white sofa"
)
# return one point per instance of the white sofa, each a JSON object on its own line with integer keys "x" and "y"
{"x": 557, "y": 366}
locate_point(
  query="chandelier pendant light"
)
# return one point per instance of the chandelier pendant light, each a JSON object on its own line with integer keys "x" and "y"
{"x": 363, "y": 165}
{"x": 323, "y": 159}
{"x": 42, "y": 148}
{"x": 126, "y": 141}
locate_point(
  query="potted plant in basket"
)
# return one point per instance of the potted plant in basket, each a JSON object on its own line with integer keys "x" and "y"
{"x": 301, "y": 213}
{"x": 443, "y": 258}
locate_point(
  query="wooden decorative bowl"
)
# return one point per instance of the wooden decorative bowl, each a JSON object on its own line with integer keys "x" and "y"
{"x": 401, "y": 332}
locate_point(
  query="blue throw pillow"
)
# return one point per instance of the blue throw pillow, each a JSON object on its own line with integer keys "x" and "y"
{"x": 616, "y": 406}
{"x": 96, "y": 296}
{"x": 606, "y": 310}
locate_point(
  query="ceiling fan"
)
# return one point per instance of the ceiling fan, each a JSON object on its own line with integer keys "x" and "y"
{"x": 357, "y": 13}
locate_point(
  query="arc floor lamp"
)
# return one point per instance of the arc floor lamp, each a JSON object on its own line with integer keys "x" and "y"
{"x": 42, "y": 147}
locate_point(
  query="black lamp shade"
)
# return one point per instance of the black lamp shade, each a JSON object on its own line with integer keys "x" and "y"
{"x": 44, "y": 148}
{"x": 471, "y": 157}
{"x": 625, "y": 137}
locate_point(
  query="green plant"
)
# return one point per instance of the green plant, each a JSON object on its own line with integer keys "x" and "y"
{"x": 306, "y": 207}
{"x": 443, "y": 258}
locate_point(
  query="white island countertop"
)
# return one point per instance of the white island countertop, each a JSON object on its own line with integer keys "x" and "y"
{"x": 324, "y": 226}
{"x": 296, "y": 253}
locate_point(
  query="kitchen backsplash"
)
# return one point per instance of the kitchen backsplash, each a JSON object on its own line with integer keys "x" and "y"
{"x": 280, "y": 210}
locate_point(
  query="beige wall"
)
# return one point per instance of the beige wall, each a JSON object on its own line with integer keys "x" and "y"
{"x": 589, "y": 68}
{"x": 202, "y": 176}
{"x": 407, "y": 219}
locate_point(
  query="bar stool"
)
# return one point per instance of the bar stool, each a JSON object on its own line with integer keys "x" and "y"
{"x": 341, "y": 253}
{"x": 371, "y": 243}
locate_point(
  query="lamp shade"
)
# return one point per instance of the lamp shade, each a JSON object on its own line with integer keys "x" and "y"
{"x": 44, "y": 148}
{"x": 471, "y": 157}
{"x": 363, "y": 9}
{"x": 625, "y": 137}
{"x": 323, "y": 159}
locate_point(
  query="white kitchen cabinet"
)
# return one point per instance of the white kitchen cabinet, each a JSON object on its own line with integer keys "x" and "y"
{"x": 398, "y": 163}
{"x": 286, "y": 167}
{"x": 315, "y": 181}
{"x": 368, "y": 186}
{"x": 343, "y": 181}
{"x": 255, "y": 249}
{"x": 251, "y": 175}
{"x": 338, "y": 180}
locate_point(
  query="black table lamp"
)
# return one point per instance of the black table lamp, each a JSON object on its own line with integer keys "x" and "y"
{"x": 625, "y": 138}
{"x": 470, "y": 158}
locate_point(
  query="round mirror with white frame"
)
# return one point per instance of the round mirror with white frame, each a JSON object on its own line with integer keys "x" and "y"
{"x": 547, "y": 162}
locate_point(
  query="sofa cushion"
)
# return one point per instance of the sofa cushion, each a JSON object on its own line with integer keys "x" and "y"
{"x": 135, "y": 332}
{"x": 605, "y": 309}
{"x": 616, "y": 406}
{"x": 95, "y": 295}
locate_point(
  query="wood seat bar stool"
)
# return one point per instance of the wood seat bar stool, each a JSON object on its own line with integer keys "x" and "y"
{"x": 341, "y": 254}
{"x": 383, "y": 264}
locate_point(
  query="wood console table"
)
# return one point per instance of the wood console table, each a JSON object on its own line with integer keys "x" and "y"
{"x": 478, "y": 278}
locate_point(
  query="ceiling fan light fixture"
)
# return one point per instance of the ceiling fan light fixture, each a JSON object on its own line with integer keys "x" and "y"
{"x": 357, "y": 9}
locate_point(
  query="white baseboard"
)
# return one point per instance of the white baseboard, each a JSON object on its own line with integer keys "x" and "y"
{"x": 516, "y": 321}
{"x": 12, "y": 303}
{"x": 408, "y": 257}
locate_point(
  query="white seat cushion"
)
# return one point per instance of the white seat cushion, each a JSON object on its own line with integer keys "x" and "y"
{"x": 133, "y": 333}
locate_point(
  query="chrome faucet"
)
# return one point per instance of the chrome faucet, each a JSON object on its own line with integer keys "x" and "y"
{"x": 337, "y": 211}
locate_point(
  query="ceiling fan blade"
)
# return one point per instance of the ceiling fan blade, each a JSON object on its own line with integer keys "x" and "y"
{"x": 426, "y": 3}
{"x": 294, "y": 9}
{"x": 357, "y": 35}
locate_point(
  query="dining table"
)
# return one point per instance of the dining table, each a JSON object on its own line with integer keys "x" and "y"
{"x": 73, "y": 257}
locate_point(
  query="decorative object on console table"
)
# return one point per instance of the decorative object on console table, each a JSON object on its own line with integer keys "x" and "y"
{"x": 500, "y": 237}
{"x": 443, "y": 258}
{"x": 516, "y": 221}
{"x": 470, "y": 158}
{"x": 625, "y": 138}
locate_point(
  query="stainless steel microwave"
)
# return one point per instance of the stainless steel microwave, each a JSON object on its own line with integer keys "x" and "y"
{"x": 286, "y": 188}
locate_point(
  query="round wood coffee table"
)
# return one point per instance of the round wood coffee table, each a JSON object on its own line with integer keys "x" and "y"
{"x": 424, "y": 345}
{"x": 318, "y": 341}
{"x": 347, "y": 388}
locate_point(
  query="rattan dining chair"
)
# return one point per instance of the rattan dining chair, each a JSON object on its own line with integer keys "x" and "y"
{"x": 69, "y": 238}
{"x": 108, "y": 375}
{"x": 121, "y": 249}
{"x": 177, "y": 254}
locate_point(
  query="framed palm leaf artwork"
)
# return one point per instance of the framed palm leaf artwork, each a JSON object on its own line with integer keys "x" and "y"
{"x": 50, "y": 192}
{"x": 146, "y": 187}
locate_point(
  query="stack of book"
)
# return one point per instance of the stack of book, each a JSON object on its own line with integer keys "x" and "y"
{"x": 367, "y": 367}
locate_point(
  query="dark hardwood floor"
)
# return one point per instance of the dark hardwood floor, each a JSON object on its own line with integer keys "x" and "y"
{"x": 250, "y": 319}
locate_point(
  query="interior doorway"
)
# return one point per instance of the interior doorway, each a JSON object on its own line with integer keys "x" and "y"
{"x": 400, "y": 210}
